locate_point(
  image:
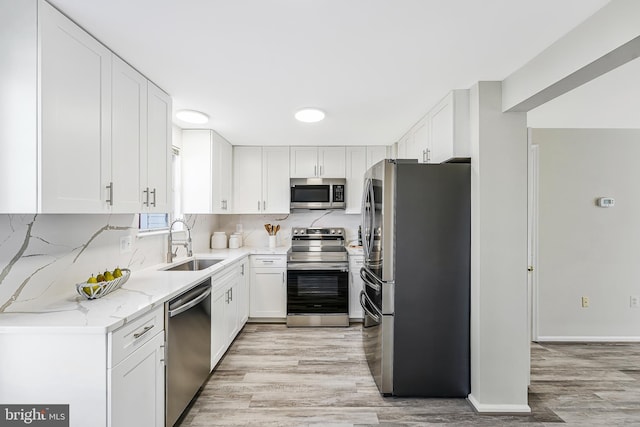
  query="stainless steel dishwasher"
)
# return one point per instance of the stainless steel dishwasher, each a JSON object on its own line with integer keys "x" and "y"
{"x": 188, "y": 328}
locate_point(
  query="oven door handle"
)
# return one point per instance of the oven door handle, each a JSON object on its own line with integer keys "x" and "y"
{"x": 364, "y": 299}
{"x": 370, "y": 279}
{"x": 306, "y": 266}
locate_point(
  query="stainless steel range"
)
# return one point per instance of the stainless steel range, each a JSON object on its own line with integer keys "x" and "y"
{"x": 318, "y": 278}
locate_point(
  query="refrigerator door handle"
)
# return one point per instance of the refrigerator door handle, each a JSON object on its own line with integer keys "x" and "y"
{"x": 365, "y": 299}
{"x": 370, "y": 279}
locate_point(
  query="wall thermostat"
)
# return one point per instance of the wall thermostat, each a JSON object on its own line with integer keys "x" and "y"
{"x": 606, "y": 202}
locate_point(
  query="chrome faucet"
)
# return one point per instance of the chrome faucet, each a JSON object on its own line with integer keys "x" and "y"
{"x": 185, "y": 243}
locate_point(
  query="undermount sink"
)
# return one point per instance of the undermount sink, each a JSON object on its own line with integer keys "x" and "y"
{"x": 194, "y": 265}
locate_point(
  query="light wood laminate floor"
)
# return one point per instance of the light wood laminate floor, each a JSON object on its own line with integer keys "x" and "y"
{"x": 278, "y": 376}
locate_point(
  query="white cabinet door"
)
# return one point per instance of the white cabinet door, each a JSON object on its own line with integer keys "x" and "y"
{"x": 275, "y": 180}
{"x": 419, "y": 148}
{"x": 441, "y": 124}
{"x": 247, "y": 179}
{"x": 158, "y": 151}
{"x": 243, "y": 293}
{"x": 218, "y": 325}
{"x": 355, "y": 286}
{"x": 222, "y": 176}
{"x": 197, "y": 180}
{"x": 128, "y": 137}
{"x": 137, "y": 387}
{"x": 231, "y": 312}
{"x": 356, "y": 167}
{"x": 75, "y": 95}
{"x": 268, "y": 292}
{"x": 331, "y": 162}
{"x": 304, "y": 162}
{"x": 375, "y": 153}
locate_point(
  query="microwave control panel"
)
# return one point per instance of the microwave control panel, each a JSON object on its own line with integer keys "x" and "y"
{"x": 338, "y": 193}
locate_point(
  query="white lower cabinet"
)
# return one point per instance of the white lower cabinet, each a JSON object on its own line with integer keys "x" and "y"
{"x": 355, "y": 286}
{"x": 268, "y": 286}
{"x": 136, "y": 376}
{"x": 137, "y": 387}
{"x": 228, "y": 309}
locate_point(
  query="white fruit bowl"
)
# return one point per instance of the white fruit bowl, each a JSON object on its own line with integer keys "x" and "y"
{"x": 100, "y": 289}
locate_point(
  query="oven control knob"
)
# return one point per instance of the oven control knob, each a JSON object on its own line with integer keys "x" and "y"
{"x": 339, "y": 231}
{"x": 333, "y": 231}
{"x": 295, "y": 231}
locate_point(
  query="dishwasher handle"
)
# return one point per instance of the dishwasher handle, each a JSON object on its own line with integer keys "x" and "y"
{"x": 186, "y": 305}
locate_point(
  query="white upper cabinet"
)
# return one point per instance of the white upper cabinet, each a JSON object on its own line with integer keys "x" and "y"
{"x": 275, "y": 180}
{"x": 317, "y": 162}
{"x": 75, "y": 122}
{"x": 129, "y": 136}
{"x": 247, "y": 179}
{"x": 375, "y": 153}
{"x": 359, "y": 160}
{"x": 206, "y": 172}
{"x": 75, "y": 139}
{"x": 356, "y": 167}
{"x": 449, "y": 127}
{"x": 261, "y": 179}
{"x": 442, "y": 133}
{"x": 157, "y": 179}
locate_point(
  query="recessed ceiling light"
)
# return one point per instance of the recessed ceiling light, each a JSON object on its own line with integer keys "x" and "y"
{"x": 192, "y": 116}
{"x": 309, "y": 115}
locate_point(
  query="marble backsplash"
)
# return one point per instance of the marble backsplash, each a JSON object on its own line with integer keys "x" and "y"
{"x": 255, "y": 235}
{"x": 45, "y": 255}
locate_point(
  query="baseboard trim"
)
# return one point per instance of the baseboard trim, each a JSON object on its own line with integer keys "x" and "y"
{"x": 505, "y": 409}
{"x": 587, "y": 339}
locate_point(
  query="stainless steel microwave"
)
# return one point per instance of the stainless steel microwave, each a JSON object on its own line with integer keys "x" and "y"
{"x": 318, "y": 193}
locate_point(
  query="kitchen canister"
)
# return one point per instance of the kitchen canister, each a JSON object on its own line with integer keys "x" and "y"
{"x": 234, "y": 241}
{"x": 218, "y": 240}
{"x": 238, "y": 235}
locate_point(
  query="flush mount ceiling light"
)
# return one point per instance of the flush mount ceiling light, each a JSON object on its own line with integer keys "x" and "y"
{"x": 309, "y": 115}
{"x": 192, "y": 116}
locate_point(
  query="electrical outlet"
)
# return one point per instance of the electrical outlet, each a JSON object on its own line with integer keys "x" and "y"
{"x": 125, "y": 244}
{"x": 585, "y": 302}
{"x": 634, "y": 301}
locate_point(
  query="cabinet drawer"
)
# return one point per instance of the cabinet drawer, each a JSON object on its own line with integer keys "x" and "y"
{"x": 268, "y": 261}
{"x": 134, "y": 334}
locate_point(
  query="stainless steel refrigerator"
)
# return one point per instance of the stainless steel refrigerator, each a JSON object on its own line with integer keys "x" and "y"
{"x": 416, "y": 298}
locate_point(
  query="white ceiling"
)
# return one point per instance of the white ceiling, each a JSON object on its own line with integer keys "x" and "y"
{"x": 374, "y": 66}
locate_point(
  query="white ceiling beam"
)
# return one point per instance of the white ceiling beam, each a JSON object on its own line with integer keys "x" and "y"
{"x": 606, "y": 40}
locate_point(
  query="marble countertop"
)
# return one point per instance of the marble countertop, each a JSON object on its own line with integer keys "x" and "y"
{"x": 145, "y": 290}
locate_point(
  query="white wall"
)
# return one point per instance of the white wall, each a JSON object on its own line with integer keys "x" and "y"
{"x": 585, "y": 250}
{"x": 48, "y": 254}
{"x": 255, "y": 235}
{"x": 499, "y": 338}
{"x": 610, "y": 101}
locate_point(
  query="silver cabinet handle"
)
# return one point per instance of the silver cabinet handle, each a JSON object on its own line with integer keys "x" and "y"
{"x": 154, "y": 198}
{"x": 258, "y": 204}
{"x": 242, "y": 272}
{"x": 110, "y": 199}
{"x": 144, "y": 331}
{"x": 283, "y": 277}
{"x": 264, "y": 205}
{"x": 424, "y": 156}
{"x": 428, "y": 155}
{"x": 226, "y": 297}
{"x": 315, "y": 170}
{"x": 231, "y": 294}
{"x": 146, "y": 193}
{"x": 320, "y": 170}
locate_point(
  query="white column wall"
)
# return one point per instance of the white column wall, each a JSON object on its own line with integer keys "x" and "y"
{"x": 499, "y": 334}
